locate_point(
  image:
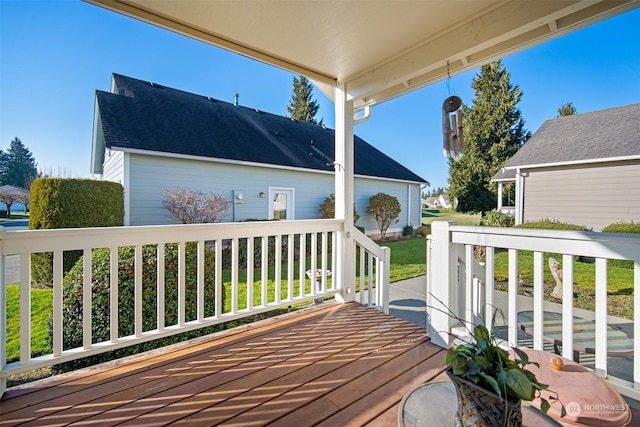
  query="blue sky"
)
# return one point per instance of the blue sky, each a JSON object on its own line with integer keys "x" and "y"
{"x": 55, "y": 54}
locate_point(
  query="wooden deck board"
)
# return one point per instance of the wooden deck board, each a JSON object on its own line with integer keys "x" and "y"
{"x": 334, "y": 364}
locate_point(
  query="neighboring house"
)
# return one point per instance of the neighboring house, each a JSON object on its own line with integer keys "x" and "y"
{"x": 438, "y": 202}
{"x": 153, "y": 138}
{"x": 582, "y": 169}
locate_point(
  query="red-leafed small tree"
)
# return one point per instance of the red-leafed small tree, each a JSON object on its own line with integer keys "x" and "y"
{"x": 194, "y": 207}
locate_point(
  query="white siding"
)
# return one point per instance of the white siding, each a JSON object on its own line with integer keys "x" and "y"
{"x": 590, "y": 195}
{"x": 410, "y": 214}
{"x": 113, "y": 169}
{"x": 151, "y": 175}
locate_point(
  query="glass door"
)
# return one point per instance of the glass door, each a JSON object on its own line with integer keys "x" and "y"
{"x": 281, "y": 203}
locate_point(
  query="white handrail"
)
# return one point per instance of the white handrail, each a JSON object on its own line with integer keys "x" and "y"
{"x": 451, "y": 249}
{"x": 319, "y": 234}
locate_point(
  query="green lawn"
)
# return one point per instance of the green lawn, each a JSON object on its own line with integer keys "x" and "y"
{"x": 450, "y": 215}
{"x": 619, "y": 282}
{"x": 41, "y": 306}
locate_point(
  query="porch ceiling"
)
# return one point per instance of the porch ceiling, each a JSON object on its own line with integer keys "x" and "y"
{"x": 382, "y": 49}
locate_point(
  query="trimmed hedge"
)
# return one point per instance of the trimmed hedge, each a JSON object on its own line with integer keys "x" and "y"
{"x": 622, "y": 227}
{"x": 100, "y": 302}
{"x": 71, "y": 203}
{"x": 497, "y": 219}
{"x": 552, "y": 224}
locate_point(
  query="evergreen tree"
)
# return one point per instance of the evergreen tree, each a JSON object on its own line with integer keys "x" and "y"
{"x": 493, "y": 132}
{"x": 567, "y": 109}
{"x": 17, "y": 165}
{"x": 302, "y": 105}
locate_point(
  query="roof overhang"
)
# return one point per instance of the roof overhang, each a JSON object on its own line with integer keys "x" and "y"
{"x": 574, "y": 163}
{"x": 378, "y": 50}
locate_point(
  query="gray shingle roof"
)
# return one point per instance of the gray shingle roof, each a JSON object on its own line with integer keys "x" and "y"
{"x": 604, "y": 134}
{"x": 146, "y": 116}
{"x": 580, "y": 138}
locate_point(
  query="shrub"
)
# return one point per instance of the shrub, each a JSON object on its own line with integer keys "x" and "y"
{"x": 423, "y": 230}
{"x": 408, "y": 231}
{"x": 328, "y": 209}
{"x": 100, "y": 322}
{"x": 194, "y": 207}
{"x": 552, "y": 224}
{"x": 497, "y": 219}
{"x": 385, "y": 209}
{"x": 622, "y": 227}
{"x": 71, "y": 203}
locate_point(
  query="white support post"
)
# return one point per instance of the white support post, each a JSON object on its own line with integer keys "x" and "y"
{"x": 443, "y": 278}
{"x": 500, "y": 197}
{"x": 344, "y": 275}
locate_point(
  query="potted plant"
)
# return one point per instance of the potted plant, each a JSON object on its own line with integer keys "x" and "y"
{"x": 489, "y": 384}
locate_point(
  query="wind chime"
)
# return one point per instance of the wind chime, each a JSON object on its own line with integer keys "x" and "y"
{"x": 452, "y": 139}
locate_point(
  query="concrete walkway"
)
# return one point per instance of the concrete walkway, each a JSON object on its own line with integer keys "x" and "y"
{"x": 407, "y": 300}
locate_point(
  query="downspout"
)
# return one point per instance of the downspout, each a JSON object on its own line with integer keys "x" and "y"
{"x": 519, "y": 197}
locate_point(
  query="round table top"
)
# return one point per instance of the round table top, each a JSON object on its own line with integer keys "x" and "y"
{"x": 434, "y": 404}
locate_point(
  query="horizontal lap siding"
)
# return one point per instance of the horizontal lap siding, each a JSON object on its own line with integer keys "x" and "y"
{"x": 594, "y": 196}
{"x": 113, "y": 169}
{"x": 149, "y": 176}
{"x": 365, "y": 188}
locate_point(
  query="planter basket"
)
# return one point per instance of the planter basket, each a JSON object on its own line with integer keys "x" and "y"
{"x": 480, "y": 407}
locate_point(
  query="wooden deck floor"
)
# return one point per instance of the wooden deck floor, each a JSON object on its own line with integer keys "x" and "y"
{"x": 334, "y": 365}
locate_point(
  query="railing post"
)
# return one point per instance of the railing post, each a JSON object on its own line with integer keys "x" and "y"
{"x": 442, "y": 300}
{"x": 383, "y": 278}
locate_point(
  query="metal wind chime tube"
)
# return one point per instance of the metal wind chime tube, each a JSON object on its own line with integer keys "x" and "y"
{"x": 452, "y": 138}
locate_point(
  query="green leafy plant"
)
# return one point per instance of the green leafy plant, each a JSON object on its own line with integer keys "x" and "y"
{"x": 484, "y": 363}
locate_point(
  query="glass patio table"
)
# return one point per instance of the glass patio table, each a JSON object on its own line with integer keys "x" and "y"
{"x": 434, "y": 404}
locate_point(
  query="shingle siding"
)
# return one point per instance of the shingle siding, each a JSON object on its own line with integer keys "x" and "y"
{"x": 590, "y": 195}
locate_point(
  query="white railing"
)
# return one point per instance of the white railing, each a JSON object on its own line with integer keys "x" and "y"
{"x": 469, "y": 293}
{"x": 372, "y": 263}
{"x": 286, "y": 251}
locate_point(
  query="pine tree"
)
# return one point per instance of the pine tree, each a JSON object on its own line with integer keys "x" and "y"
{"x": 567, "y": 109}
{"x": 302, "y": 105}
{"x": 17, "y": 165}
{"x": 493, "y": 132}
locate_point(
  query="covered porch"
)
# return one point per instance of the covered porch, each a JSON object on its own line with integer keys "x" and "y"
{"x": 340, "y": 363}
